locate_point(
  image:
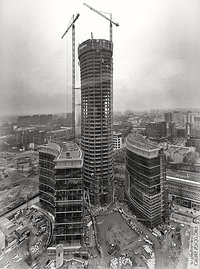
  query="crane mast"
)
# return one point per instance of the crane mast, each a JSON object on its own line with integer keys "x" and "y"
{"x": 73, "y": 70}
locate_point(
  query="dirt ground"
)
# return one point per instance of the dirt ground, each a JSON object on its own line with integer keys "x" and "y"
{"x": 113, "y": 228}
{"x": 17, "y": 183}
{"x": 15, "y": 188}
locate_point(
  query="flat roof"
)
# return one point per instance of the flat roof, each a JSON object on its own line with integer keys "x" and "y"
{"x": 25, "y": 129}
{"x": 68, "y": 146}
{"x": 7, "y": 226}
{"x": 63, "y": 150}
{"x": 51, "y": 147}
{"x": 69, "y": 150}
{"x": 178, "y": 149}
{"x": 140, "y": 141}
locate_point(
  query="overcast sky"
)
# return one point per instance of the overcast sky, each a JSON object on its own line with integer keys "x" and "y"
{"x": 156, "y": 53}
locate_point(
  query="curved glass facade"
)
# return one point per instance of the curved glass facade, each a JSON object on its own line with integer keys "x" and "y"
{"x": 61, "y": 191}
{"x": 46, "y": 181}
{"x": 145, "y": 186}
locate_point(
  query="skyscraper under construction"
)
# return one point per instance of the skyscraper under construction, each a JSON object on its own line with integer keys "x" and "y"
{"x": 95, "y": 56}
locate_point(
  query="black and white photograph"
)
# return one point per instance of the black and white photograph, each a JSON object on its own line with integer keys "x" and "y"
{"x": 100, "y": 134}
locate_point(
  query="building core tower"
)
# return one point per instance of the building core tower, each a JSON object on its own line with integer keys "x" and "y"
{"x": 95, "y": 56}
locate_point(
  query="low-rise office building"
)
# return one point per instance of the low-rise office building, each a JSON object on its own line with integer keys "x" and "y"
{"x": 194, "y": 141}
{"x": 157, "y": 131}
{"x": 176, "y": 154}
{"x": 2, "y": 242}
{"x": 184, "y": 188}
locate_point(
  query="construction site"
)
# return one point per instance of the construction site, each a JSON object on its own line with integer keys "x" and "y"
{"x": 19, "y": 179}
{"x": 121, "y": 241}
{"x": 88, "y": 225}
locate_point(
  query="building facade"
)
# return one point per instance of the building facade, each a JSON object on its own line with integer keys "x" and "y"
{"x": 194, "y": 141}
{"x": 171, "y": 131}
{"x": 177, "y": 117}
{"x": 61, "y": 190}
{"x": 95, "y": 56}
{"x": 176, "y": 154}
{"x": 24, "y": 121}
{"x": 63, "y": 134}
{"x": 2, "y": 242}
{"x": 181, "y": 132}
{"x": 117, "y": 140}
{"x": 168, "y": 117}
{"x": 156, "y": 131}
{"x": 146, "y": 180}
{"x": 184, "y": 189}
{"x": 30, "y": 135}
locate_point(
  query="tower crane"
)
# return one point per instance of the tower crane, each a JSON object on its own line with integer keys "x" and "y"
{"x": 73, "y": 69}
{"x": 111, "y": 40}
{"x": 101, "y": 14}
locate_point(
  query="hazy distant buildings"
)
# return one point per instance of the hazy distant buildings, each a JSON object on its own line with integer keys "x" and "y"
{"x": 63, "y": 134}
{"x": 195, "y": 126}
{"x": 95, "y": 56}
{"x": 61, "y": 190}
{"x": 188, "y": 129}
{"x": 181, "y": 132}
{"x": 168, "y": 117}
{"x": 146, "y": 180}
{"x": 194, "y": 141}
{"x": 156, "y": 131}
{"x": 177, "y": 117}
{"x": 171, "y": 131}
{"x": 25, "y": 137}
{"x": 24, "y": 121}
{"x": 190, "y": 117}
{"x": 29, "y": 135}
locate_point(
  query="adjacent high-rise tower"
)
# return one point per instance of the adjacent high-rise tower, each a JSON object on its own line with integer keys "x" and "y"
{"x": 61, "y": 192}
{"x": 95, "y": 56}
{"x": 146, "y": 180}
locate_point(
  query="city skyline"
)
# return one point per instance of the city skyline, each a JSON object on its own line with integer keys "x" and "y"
{"x": 156, "y": 54}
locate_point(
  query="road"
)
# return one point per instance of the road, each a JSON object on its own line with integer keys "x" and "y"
{"x": 20, "y": 252}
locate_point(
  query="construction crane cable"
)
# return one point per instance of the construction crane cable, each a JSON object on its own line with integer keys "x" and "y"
{"x": 105, "y": 17}
{"x": 108, "y": 13}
